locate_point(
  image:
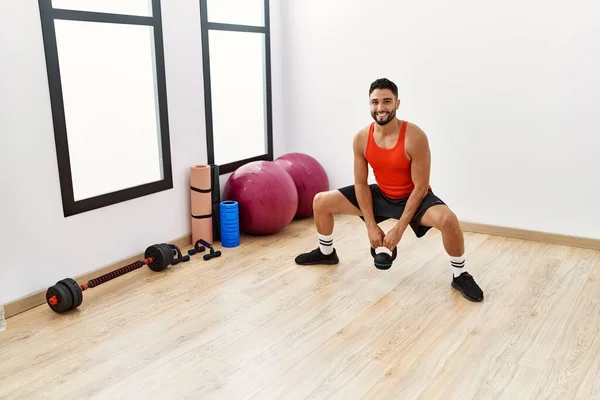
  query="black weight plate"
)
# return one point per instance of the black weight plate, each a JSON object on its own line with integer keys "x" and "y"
{"x": 64, "y": 296}
{"x": 53, "y": 291}
{"x": 70, "y": 299}
{"x": 155, "y": 253}
{"x": 161, "y": 254}
{"x": 75, "y": 290}
{"x": 169, "y": 254}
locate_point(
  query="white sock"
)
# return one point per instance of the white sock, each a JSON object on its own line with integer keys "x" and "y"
{"x": 458, "y": 265}
{"x": 326, "y": 244}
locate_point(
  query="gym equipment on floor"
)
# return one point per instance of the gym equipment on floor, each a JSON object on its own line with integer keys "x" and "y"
{"x": 309, "y": 177}
{"x": 230, "y": 223}
{"x": 383, "y": 260}
{"x": 266, "y": 195}
{"x": 200, "y": 246}
{"x": 201, "y": 202}
{"x": 67, "y": 295}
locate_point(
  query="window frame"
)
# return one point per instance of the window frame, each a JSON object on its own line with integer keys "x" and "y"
{"x": 206, "y": 27}
{"x": 48, "y": 14}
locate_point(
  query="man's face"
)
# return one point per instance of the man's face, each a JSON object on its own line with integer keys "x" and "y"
{"x": 383, "y": 105}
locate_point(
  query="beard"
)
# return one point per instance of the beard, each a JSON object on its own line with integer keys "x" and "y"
{"x": 384, "y": 119}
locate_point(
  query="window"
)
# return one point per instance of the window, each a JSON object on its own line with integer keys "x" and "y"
{"x": 237, "y": 81}
{"x": 106, "y": 78}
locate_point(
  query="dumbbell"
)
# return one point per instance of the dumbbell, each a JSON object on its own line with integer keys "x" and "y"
{"x": 200, "y": 246}
{"x": 67, "y": 295}
{"x": 383, "y": 260}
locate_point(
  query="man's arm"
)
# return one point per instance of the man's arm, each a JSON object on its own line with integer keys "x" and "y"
{"x": 361, "y": 174}
{"x": 417, "y": 147}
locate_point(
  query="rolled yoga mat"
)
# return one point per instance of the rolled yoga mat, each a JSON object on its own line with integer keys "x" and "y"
{"x": 201, "y": 203}
{"x": 216, "y": 199}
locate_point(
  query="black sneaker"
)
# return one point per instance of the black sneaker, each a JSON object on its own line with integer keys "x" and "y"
{"x": 465, "y": 284}
{"x": 316, "y": 257}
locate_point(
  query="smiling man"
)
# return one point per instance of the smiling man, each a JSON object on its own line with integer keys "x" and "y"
{"x": 398, "y": 152}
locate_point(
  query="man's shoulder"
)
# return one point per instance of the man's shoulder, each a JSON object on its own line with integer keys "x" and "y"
{"x": 362, "y": 134}
{"x": 364, "y": 131}
{"x": 415, "y": 135}
{"x": 414, "y": 129}
{"x": 360, "y": 139}
{"x": 416, "y": 139}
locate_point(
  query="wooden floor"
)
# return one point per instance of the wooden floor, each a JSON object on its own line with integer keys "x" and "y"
{"x": 253, "y": 325}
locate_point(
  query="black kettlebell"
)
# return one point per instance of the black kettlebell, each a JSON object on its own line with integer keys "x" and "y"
{"x": 383, "y": 260}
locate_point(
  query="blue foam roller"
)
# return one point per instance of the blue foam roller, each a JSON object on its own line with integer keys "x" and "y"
{"x": 230, "y": 223}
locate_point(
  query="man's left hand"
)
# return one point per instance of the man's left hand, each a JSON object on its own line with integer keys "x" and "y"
{"x": 392, "y": 238}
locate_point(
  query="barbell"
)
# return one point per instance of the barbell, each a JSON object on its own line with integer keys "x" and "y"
{"x": 67, "y": 294}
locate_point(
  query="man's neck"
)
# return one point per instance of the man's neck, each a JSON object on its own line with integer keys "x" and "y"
{"x": 390, "y": 128}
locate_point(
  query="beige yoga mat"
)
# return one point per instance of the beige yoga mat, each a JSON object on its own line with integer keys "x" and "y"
{"x": 201, "y": 203}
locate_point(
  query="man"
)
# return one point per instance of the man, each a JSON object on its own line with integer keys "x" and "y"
{"x": 398, "y": 152}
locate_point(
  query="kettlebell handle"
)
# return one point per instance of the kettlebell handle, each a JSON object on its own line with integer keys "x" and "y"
{"x": 394, "y": 253}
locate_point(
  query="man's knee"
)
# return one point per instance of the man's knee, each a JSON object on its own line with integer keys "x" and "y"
{"x": 320, "y": 201}
{"x": 449, "y": 221}
{"x": 333, "y": 202}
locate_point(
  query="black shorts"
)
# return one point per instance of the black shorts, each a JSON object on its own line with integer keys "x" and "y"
{"x": 385, "y": 208}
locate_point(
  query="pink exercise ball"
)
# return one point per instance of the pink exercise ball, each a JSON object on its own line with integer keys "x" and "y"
{"x": 309, "y": 177}
{"x": 266, "y": 196}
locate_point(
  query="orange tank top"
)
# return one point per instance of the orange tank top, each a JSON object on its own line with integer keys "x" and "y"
{"x": 391, "y": 167}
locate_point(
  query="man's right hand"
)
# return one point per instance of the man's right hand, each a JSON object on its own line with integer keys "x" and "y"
{"x": 376, "y": 235}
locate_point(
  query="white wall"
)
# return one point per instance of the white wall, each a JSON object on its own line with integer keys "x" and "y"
{"x": 493, "y": 85}
{"x": 40, "y": 245}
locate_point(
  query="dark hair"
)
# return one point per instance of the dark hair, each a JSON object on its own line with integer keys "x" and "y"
{"x": 384, "y": 83}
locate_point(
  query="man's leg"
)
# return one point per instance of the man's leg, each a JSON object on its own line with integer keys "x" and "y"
{"x": 443, "y": 219}
{"x": 325, "y": 204}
